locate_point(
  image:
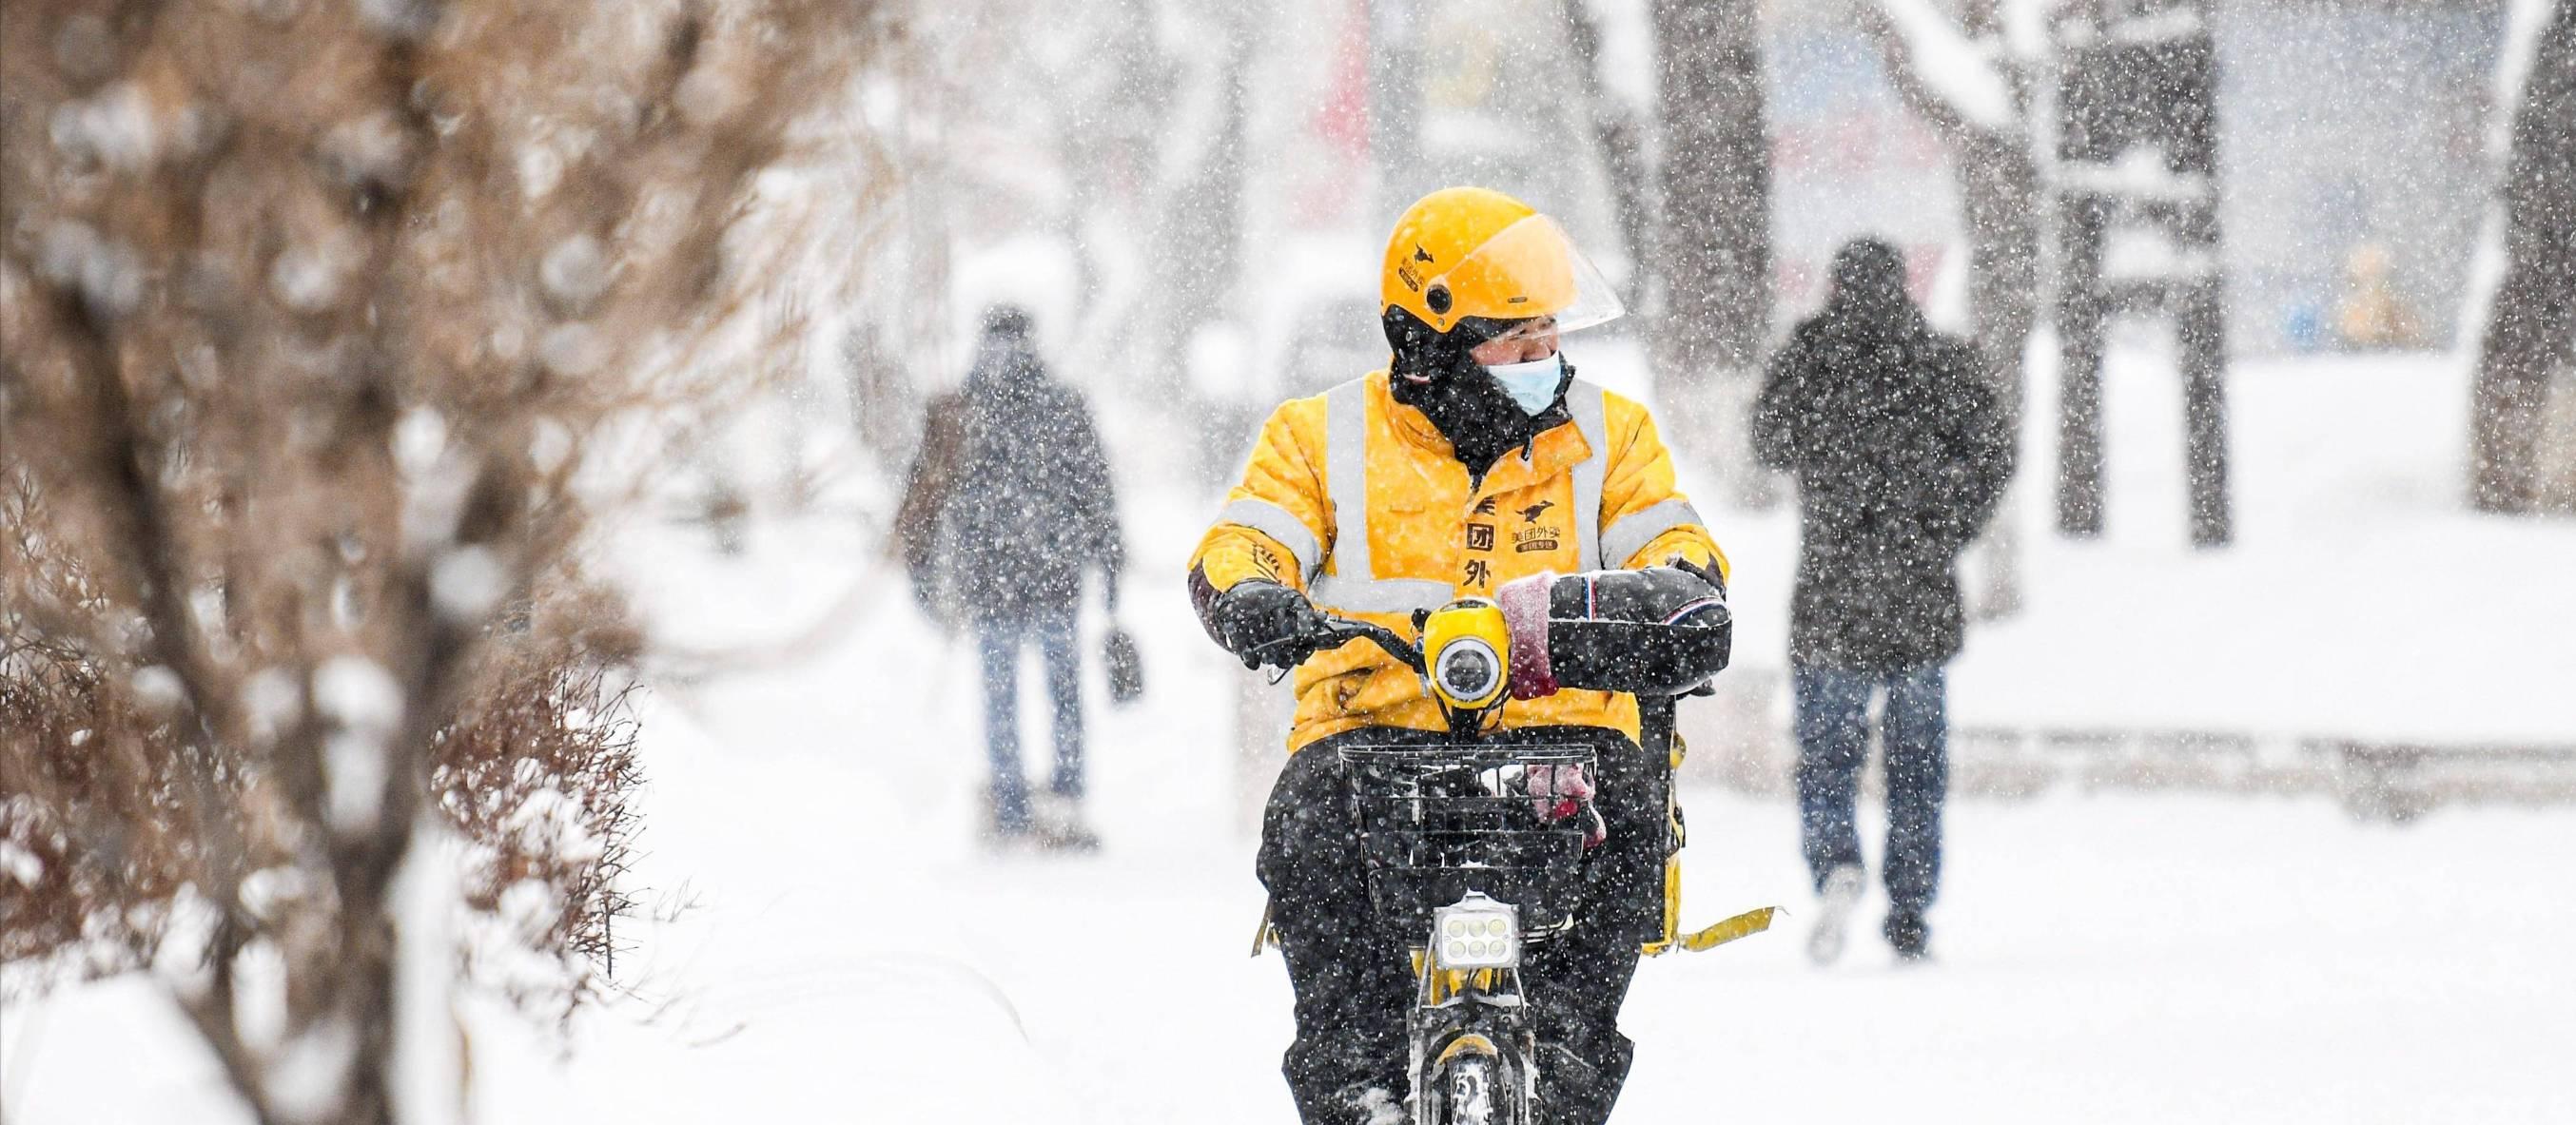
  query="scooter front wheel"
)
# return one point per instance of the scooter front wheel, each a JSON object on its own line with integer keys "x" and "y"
{"x": 1473, "y": 1089}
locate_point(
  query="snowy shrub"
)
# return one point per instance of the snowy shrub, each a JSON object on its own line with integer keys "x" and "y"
{"x": 536, "y": 775}
{"x": 102, "y": 811}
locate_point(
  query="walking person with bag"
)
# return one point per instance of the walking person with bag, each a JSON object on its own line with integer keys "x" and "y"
{"x": 1900, "y": 455}
{"x": 1010, "y": 502}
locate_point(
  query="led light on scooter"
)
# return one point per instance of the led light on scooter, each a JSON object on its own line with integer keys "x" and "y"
{"x": 1479, "y": 933}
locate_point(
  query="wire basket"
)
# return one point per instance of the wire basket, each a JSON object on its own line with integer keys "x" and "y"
{"x": 1438, "y": 821}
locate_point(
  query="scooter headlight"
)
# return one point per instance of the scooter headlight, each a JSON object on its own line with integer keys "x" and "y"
{"x": 1469, "y": 671}
{"x": 1477, "y": 933}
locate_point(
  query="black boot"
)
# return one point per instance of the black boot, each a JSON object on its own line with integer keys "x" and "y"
{"x": 1908, "y": 934}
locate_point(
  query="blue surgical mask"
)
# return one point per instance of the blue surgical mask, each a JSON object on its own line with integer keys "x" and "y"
{"x": 1532, "y": 384}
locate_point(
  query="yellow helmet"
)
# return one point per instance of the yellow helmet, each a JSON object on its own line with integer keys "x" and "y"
{"x": 1469, "y": 252}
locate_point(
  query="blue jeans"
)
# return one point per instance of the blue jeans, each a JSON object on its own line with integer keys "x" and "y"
{"x": 1001, "y": 649}
{"x": 1833, "y": 742}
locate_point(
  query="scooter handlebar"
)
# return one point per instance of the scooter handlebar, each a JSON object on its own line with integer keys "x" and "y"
{"x": 1404, "y": 651}
{"x": 1631, "y": 657}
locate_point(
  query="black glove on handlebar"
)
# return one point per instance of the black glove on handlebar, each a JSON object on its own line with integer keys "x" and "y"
{"x": 1662, "y": 630}
{"x": 1267, "y": 623}
{"x": 1668, "y": 595}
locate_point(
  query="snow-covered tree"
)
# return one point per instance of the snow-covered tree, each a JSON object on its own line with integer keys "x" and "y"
{"x": 1620, "y": 134}
{"x": 1714, "y": 260}
{"x": 2138, "y": 231}
{"x": 328, "y": 326}
{"x": 2531, "y": 325}
{"x": 1972, "y": 80}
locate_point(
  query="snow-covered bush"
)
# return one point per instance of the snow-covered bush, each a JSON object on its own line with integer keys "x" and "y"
{"x": 103, "y": 804}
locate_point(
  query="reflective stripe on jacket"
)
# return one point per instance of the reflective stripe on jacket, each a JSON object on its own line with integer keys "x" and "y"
{"x": 1357, "y": 500}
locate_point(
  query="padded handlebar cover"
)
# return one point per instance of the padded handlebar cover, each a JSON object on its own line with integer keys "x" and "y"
{"x": 1662, "y": 630}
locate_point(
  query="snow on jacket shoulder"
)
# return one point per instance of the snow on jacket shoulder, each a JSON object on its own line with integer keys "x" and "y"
{"x": 1420, "y": 535}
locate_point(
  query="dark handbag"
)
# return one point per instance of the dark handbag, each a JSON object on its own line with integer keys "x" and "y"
{"x": 924, "y": 532}
{"x": 1126, "y": 667}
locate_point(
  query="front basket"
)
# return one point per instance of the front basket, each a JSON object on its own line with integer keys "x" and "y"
{"x": 1436, "y": 822}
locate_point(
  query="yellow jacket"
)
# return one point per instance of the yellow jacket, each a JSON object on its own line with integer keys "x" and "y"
{"x": 1357, "y": 500}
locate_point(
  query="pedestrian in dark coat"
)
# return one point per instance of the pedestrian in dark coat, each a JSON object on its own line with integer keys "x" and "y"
{"x": 1900, "y": 455}
{"x": 1027, "y": 506}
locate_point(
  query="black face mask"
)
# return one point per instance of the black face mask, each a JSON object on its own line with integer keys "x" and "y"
{"x": 1477, "y": 415}
{"x": 1434, "y": 373}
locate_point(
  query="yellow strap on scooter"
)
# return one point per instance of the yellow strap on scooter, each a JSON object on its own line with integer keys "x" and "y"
{"x": 1747, "y": 924}
{"x": 1742, "y": 925}
{"x": 1672, "y": 909}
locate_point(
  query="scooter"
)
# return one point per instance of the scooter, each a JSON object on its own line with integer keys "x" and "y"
{"x": 1477, "y": 843}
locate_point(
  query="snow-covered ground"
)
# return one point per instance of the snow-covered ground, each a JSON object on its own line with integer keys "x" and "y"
{"x": 847, "y": 955}
{"x": 2360, "y": 599}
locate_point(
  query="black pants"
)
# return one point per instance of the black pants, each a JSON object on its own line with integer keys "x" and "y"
{"x": 1352, "y": 977}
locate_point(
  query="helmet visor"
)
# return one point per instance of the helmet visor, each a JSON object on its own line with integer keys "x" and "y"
{"x": 1531, "y": 269}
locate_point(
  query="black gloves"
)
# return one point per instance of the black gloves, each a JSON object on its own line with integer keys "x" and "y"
{"x": 1267, "y": 623}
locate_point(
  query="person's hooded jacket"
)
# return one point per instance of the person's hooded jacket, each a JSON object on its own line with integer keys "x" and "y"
{"x": 1029, "y": 504}
{"x": 1900, "y": 455}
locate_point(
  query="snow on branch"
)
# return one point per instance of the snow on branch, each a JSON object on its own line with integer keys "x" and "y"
{"x": 2139, "y": 173}
{"x": 1950, "y": 67}
{"x": 2163, "y": 26}
{"x": 2026, "y": 28}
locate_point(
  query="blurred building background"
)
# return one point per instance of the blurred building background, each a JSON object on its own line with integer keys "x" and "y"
{"x": 2314, "y": 222}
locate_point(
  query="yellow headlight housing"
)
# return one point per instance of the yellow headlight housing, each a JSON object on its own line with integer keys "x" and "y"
{"x": 1466, "y": 654}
